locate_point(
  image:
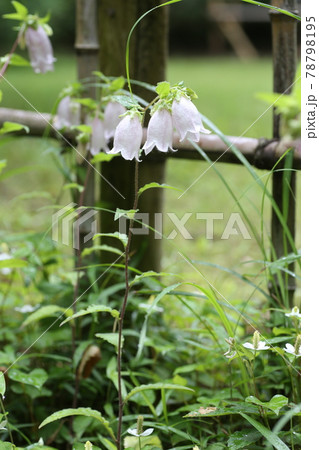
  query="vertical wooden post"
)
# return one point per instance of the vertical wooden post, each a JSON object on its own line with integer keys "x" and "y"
{"x": 87, "y": 48}
{"x": 284, "y": 50}
{"x": 147, "y": 63}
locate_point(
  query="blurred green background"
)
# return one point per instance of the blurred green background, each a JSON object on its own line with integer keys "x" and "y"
{"x": 226, "y": 87}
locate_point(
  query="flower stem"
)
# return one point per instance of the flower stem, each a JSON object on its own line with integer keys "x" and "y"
{"x": 122, "y": 315}
{"x": 15, "y": 44}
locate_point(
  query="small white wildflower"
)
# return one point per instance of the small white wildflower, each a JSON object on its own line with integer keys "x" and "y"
{"x": 294, "y": 313}
{"x": 294, "y": 349}
{"x": 257, "y": 343}
{"x": 134, "y": 432}
{"x": 40, "y": 49}
{"x": 3, "y": 257}
{"x": 26, "y": 308}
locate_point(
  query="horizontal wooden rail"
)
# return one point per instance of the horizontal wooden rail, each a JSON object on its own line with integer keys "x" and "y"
{"x": 262, "y": 153}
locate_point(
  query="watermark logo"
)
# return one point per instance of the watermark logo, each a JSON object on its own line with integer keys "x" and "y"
{"x": 233, "y": 226}
{"x": 69, "y": 223}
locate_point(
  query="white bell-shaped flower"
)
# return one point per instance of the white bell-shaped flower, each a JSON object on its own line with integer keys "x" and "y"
{"x": 98, "y": 141}
{"x": 68, "y": 113}
{"x": 128, "y": 137}
{"x": 187, "y": 120}
{"x": 40, "y": 49}
{"x": 159, "y": 132}
{"x": 112, "y": 113}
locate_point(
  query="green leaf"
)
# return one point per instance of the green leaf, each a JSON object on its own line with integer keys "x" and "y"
{"x": 11, "y": 127}
{"x": 156, "y": 386}
{"x": 36, "y": 378}
{"x": 147, "y": 442}
{"x": 129, "y": 213}
{"x": 271, "y": 437}
{"x": 73, "y": 186}
{"x": 165, "y": 291}
{"x": 78, "y": 412}
{"x": 241, "y": 439}
{"x": 101, "y": 157}
{"x": 2, "y": 383}
{"x": 111, "y": 338}
{"x": 283, "y": 11}
{"x": 106, "y": 248}
{"x": 156, "y": 185}
{"x": 163, "y": 88}
{"x": 91, "y": 310}
{"x": 42, "y": 313}
{"x": 224, "y": 411}
{"x": 120, "y": 236}
{"x": 12, "y": 263}
{"x": 117, "y": 84}
{"x": 14, "y": 60}
{"x": 108, "y": 444}
{"x": 275, "y": 404}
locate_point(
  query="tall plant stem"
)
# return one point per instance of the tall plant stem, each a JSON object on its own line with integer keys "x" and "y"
{"x": 122, "y": 315}
{"x": 15, "y": 45}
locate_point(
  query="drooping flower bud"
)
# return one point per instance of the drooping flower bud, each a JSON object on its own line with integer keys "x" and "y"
{"x": 68, "y": 113}
{"x": 187, "y": 120}
{"x": 112, "y": 113}
{"x": 40, "y": 49}
{"x": 139, "y": 427}
{"x": 98, "y": 141}
{"x": 128, "y": 137}
{"x": 256, "y": 339}
{"x": 159, "y": 132}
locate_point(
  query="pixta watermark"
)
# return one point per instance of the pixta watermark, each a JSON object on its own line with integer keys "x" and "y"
{"x": 70, "y": 224}
{"x": 232, "y": 226}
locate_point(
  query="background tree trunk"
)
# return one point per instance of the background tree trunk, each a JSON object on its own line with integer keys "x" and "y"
{"x": 148, "y": 54}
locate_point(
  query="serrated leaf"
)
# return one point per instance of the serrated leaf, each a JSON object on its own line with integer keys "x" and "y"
{"x": 77, "y": 412}
{"x": 163, "y": 88}
{"x": 111, "y": 338}
{"x": 2, "y": 383}
{"x": 120, "y": 236}
{"x": 157, "y": 386}
{"x": 42, "y": 313}
{"x": 91, "y": 310}
{"x": 11, "y": 127}
{"x": 156, "y": 185}
{"x": 275, "y": 404}
{"x": 129, "y": 213}
{"x": 271, "y": 437}
{"x": 36, "y": 378}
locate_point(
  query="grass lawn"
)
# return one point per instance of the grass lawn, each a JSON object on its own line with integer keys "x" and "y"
{"x": 226, "y": 89}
